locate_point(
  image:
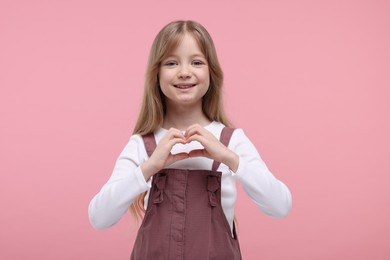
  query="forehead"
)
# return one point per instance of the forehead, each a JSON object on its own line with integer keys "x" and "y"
{"x": 188, "y": 45}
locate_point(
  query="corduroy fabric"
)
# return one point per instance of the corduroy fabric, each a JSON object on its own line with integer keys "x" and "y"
{"x": 184, "y": 219}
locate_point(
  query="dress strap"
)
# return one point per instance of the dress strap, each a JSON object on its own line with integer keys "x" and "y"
{"x": 150, "y": 143}
{"x": 226, "y": 134}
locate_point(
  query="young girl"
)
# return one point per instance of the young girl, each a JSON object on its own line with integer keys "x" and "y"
{"x": 182, "y": 161}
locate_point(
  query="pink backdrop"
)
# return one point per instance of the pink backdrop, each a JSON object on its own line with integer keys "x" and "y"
{"x": 308, "y": 81}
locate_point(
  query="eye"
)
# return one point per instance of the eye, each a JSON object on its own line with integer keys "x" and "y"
{"x": 198, "y": 63}
{"x": 170, "y": 63}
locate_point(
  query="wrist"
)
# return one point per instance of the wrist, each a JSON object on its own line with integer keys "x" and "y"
{"x": 148, "y": 170}
{"x": 232, "y": 161}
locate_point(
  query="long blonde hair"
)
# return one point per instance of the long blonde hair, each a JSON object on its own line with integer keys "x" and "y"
{"x": 153, "y": 106}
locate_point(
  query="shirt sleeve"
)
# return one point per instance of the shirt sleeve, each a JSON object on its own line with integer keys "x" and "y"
{"x": 270, "y": 195}
{"x": 125, "y": 184}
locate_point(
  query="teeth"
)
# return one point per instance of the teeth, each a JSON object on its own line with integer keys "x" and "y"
{"x": 184, "y": 86}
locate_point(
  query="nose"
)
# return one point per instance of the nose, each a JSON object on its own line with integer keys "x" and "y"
{"x": 184, "y": 73}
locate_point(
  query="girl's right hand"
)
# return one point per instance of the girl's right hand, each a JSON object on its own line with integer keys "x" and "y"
{"x": 162, "y": 155}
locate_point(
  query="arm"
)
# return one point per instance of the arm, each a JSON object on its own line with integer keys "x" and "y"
{"x": 270, "y": 195}
{"x": 125, "y": 184}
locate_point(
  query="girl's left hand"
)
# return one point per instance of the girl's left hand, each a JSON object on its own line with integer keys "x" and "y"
{"x": 213, "y": 148}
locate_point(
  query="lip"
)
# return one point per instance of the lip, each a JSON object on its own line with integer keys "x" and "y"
{"x": 184, "y": 85}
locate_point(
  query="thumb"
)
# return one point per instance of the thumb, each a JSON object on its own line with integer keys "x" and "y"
{"x": 176, "y": 157}
{"x": 199, "y": 153}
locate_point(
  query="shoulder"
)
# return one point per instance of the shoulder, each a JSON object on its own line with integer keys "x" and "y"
{"x": 135, "y": 139}
{"x": 138, "y": 139}
{"x": 238, "y": 135}
{"x": 135, "y": 145}
{"x": 218, "y": 127}
{"x": 215, "y": 127}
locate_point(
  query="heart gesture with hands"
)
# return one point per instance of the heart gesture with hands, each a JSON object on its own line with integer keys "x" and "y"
{"x": 213, "y": 149}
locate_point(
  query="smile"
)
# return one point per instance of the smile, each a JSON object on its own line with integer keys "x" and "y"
{"x": 184, "y": 86}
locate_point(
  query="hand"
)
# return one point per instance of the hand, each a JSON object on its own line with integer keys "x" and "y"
{"x": 213, "y": 148}
{"x": 162, "y": 155}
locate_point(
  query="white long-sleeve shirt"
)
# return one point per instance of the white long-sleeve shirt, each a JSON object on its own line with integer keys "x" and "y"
{"x": 127, "y": 181}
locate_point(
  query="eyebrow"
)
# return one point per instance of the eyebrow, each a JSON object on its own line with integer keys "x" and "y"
{"x": 191, "y": 56}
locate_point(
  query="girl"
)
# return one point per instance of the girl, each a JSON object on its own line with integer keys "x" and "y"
{"x": 180, "y": 167}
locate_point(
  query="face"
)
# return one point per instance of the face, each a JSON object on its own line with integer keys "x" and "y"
{"x": 184, "y": 75}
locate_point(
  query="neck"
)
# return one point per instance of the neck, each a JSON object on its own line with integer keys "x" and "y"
{"x": 183, "y": 117}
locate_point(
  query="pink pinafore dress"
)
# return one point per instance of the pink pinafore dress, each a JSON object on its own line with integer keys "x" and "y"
{"x": 184, "y": 219}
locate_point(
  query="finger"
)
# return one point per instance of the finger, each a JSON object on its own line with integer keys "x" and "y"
{"x": 199, "y": 153}
{"x": 175, "y": 131}
{"x": 198, "y": 138}
{"x": 165, "y": 146}
{"x": 194, "y": 129}
{"x": 172, "y": 133}
{"x": 176, "y": 157}
{"x": 174, "y": 141}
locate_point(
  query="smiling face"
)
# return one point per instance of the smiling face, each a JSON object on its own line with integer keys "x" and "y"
{"x": 184, "y": 75}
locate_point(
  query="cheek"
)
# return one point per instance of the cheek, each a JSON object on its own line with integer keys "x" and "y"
{"x": 162, "y": 79}
{"x": 207, "y": 82}
{"x": 163, "y": 87}
{"x": 164, "y": 84}
{"x": 207, "y": 79}
{"x": 165, "y": 76}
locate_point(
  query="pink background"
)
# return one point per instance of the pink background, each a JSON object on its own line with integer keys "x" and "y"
{"x": 308, "y": 81}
